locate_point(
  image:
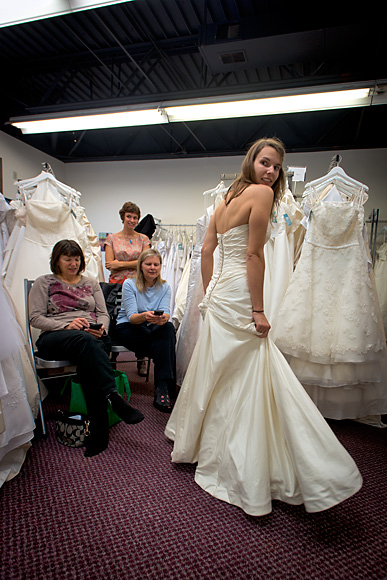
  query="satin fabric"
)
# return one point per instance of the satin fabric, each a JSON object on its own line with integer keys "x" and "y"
{"x": 243, "y": 416}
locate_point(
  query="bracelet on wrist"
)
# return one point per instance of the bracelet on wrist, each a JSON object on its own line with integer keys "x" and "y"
{"x": 259, "y": 311}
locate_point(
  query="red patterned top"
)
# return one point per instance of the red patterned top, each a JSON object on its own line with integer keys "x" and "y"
{"x": 126, "y": 250}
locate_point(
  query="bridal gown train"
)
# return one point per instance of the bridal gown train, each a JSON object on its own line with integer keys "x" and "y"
{"x": 243, "y": 416}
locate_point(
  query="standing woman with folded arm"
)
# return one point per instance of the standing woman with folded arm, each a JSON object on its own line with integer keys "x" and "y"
{"x": 122, "y": 250}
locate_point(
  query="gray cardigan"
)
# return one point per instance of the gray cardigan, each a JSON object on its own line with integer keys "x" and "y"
{"x": 53, "y": 304}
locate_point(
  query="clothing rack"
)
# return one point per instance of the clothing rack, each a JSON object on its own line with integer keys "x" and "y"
{"x": 176, "y": 229}
{"x": 374, "y": 221}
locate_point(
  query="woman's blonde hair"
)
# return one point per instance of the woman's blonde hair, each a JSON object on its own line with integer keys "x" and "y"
{"x": 247, "y": 176}
{"x": 140, "y": 280}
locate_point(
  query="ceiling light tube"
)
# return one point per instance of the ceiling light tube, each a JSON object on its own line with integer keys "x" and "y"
{"x": 233, "y": 107}
{"x": 271, "y": 106}
{"x": 74, "y": 122}
{"x": 12, "y": 13}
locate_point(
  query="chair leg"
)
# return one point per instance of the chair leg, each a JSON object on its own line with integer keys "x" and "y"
{"x": 42, "y": 419}
{"x": 147, "y": 370}
{"x": 113, "y": 359}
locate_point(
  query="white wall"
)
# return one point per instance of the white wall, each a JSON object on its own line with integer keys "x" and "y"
{"x": 171, "y": 190}
{"x": 21, "y": 161}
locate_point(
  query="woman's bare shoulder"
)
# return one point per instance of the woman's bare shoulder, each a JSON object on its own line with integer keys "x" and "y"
{"x": 258, "y": 188}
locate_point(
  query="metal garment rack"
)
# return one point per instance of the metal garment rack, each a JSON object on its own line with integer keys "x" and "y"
{"x": 374, "y": 221}
{"x": 162, "y": 225}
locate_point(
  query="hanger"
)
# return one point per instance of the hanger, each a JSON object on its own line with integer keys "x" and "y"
{"x": 383, "y": 231}
{"x": 350, "y": 189}
{"x": 220, "y": 188}
{"x": 27, "y": 187}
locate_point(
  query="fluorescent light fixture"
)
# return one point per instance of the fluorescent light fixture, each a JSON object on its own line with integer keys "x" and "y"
{"x": 269, "y": 106}
{"x": 12, "y": 13}
{"x": 74, "y": 122}
{"x": 202, "y": 110}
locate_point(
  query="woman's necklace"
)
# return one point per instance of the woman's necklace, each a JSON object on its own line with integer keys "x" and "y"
{"x": 127, "y": 236}
{"x": 71, "y": 282}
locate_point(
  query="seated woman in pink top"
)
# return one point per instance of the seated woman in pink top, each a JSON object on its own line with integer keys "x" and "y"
{"x": 123, "y": 248}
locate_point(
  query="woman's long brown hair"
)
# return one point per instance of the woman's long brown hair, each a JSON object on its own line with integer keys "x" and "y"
{"x": 247, "y": 176}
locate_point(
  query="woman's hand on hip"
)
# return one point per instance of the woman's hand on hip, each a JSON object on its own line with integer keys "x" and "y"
{"x": 262, "y": 325}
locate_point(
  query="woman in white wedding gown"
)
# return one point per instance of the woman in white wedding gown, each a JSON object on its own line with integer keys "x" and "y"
{"x": 241, "y": 413}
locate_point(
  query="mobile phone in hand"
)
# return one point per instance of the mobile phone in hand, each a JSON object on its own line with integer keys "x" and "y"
{"x": 95, "y": 326}
{"x": 158, "y": 312}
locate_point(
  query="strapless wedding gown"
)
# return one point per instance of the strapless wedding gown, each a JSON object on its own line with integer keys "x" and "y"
{"x": 329, "y": 325}
{"x": 243, "y": 416}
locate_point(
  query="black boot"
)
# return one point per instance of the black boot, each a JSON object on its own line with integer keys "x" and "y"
{"x": 95, "y": 444}
{"x": 98, "y": 439}
{"x": 126, "y": 412}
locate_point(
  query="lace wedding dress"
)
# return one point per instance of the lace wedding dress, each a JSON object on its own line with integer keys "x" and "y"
{"x": 242, "y": 415}
{"x": 329, "y": 324}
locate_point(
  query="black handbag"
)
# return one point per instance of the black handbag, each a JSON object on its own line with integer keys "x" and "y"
{"x": 71, "y": 429}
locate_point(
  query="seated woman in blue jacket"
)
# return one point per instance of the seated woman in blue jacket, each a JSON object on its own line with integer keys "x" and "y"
{"x": 143, "y": 324}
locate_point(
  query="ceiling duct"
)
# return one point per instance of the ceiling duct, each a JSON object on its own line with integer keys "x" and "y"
{"x": 237, "y": 46}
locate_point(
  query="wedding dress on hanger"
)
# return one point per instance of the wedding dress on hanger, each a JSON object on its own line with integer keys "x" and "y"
{"x": 191, "y": 322}
{"x": 16, "y": 419}
{"x": 329, "y": 324}
{"x": 181, "y": 296}
{"x": 46, "y": 213}
{"x": 190, "y": 325}
{"x": 279, "y": 253}
{"x": 176, "y": 258}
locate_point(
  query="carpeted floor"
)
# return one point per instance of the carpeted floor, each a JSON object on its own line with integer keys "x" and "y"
{"x": 129, "y": 513}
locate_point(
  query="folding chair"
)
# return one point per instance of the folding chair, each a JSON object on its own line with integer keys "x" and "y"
{"x": 113, "y": 299}
{"x": 39, "y": 363}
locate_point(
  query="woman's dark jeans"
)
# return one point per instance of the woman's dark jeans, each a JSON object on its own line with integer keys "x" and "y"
{"x": 156, "y": 342}
{"x": 94, "y": 370}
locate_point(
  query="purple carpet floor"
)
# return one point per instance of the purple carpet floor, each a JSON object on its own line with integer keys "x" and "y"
{"x": 129, "y": 513}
